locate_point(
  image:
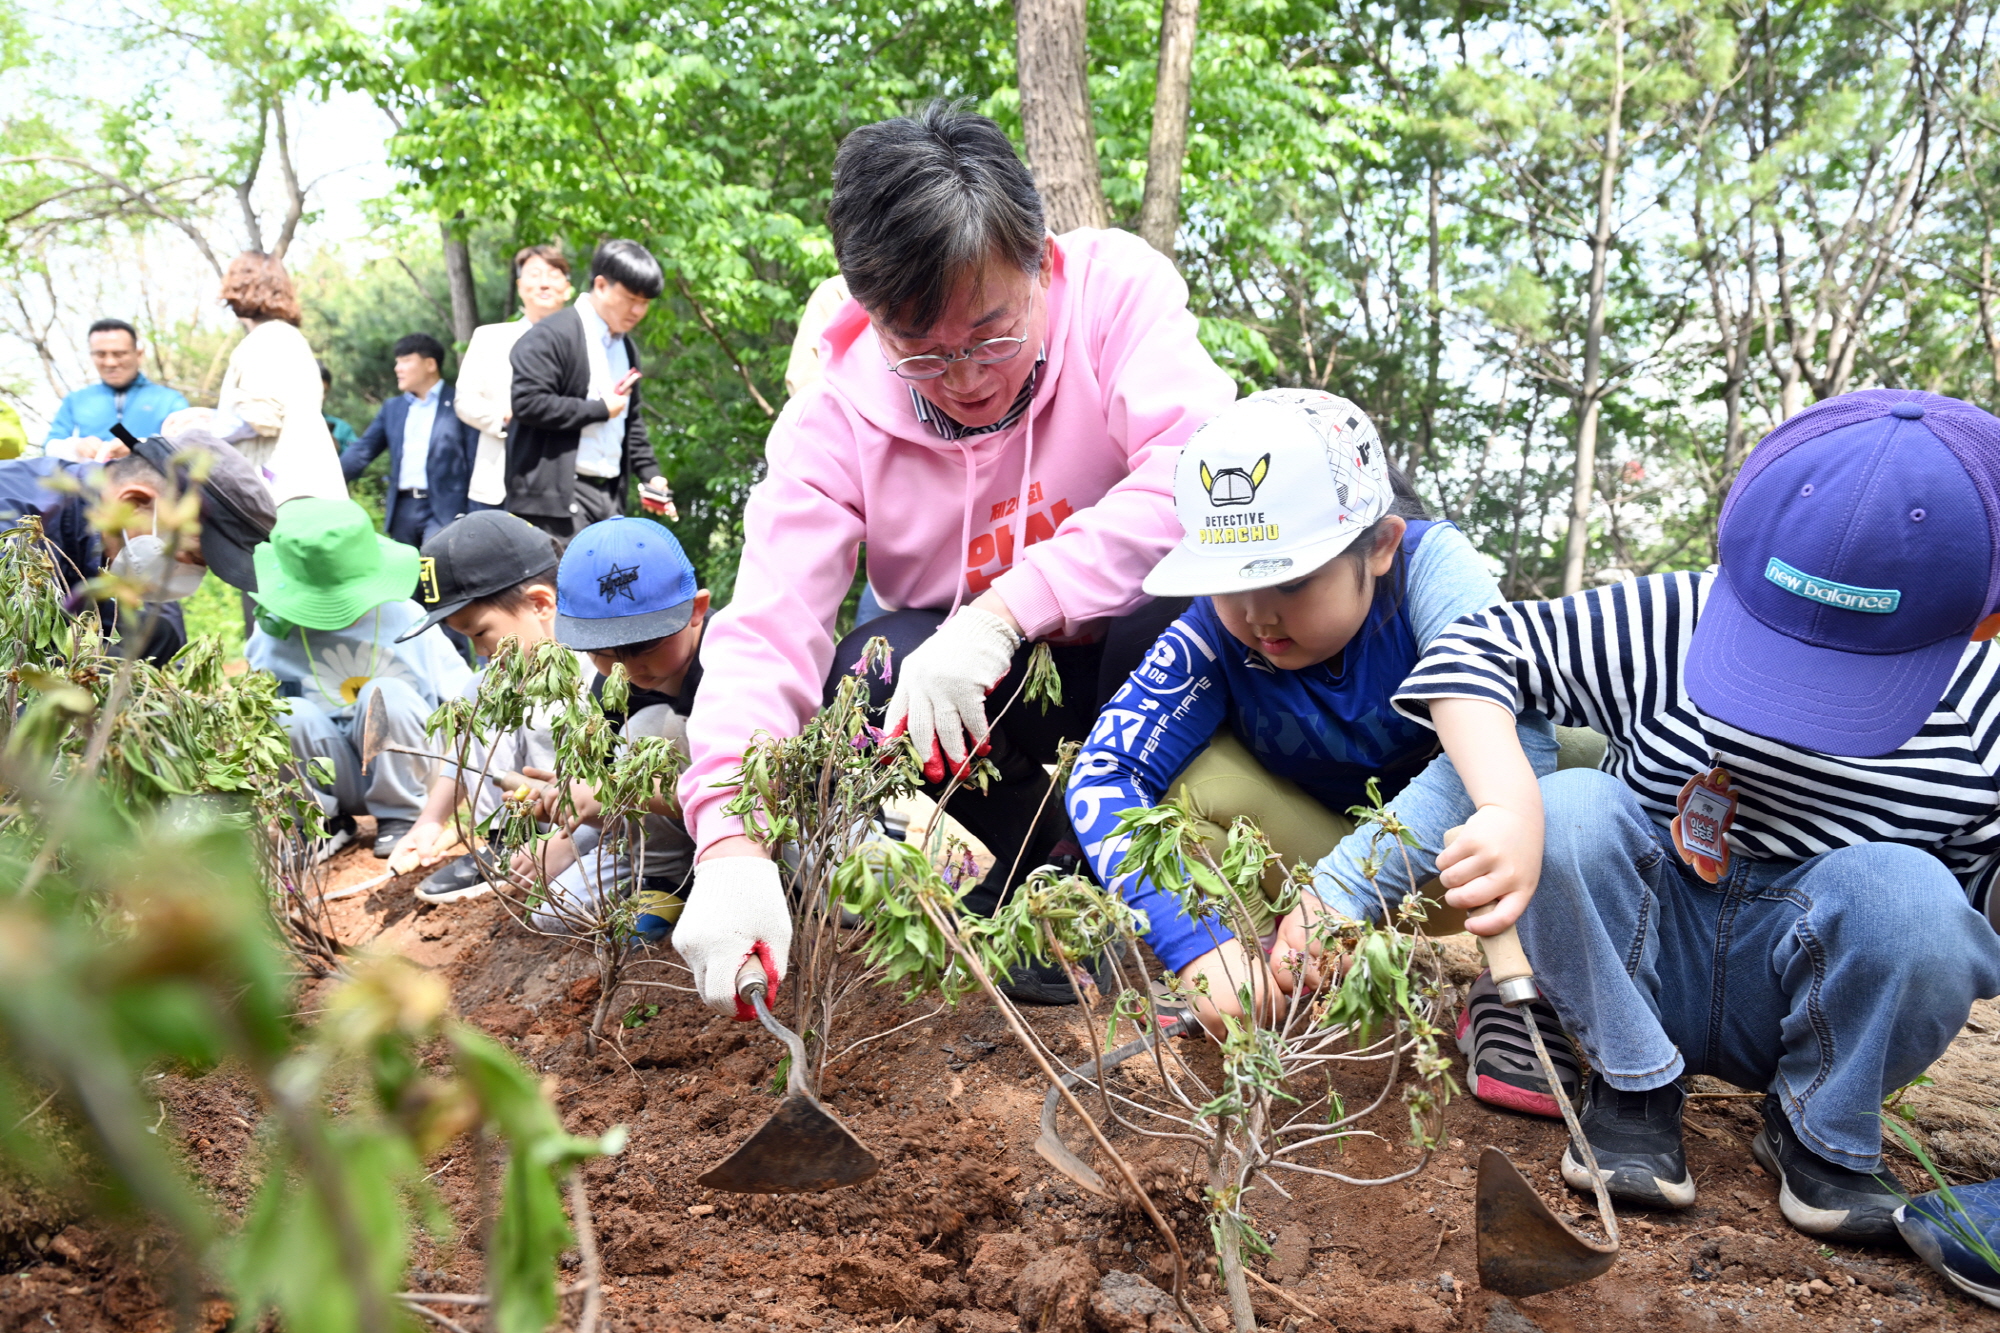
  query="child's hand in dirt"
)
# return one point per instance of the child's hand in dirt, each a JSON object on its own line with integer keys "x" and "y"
{"x": 1227, "y": 969}
{"x": 1297, "y": 955}
{"x": 548, "y": 797}
{"x": 418, "y": 848}
{"x": 1492, "y": 861}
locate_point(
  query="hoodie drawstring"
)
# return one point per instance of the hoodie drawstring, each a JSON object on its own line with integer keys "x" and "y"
{"x": 964, "y": 528}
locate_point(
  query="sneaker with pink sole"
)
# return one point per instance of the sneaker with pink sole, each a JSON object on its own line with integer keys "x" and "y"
{"x": 1500, "y": 1057}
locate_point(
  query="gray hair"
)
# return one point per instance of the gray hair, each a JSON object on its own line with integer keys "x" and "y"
{"x": 919, "y": 201}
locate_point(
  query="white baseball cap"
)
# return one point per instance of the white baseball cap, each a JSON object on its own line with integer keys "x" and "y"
{"x": 1273, "y": 487}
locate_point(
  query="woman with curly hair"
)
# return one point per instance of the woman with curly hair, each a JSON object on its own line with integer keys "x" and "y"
{"x": 271, "y": 395}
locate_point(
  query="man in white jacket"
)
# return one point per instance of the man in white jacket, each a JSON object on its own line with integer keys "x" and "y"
{"x": 486, "y": 378}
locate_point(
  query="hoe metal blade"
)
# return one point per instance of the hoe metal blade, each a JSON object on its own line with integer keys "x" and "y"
{"x": 1524, "y": 1248}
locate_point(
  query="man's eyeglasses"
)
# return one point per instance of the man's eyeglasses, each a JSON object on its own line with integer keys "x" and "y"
{"x": 990, "y": 352}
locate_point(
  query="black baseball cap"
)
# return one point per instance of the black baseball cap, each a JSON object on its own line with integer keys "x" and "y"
{"x": 236, "y": 509}
{"x": 481, "y": 555}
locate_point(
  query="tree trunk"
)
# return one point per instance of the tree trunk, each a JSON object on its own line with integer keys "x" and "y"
{"x": 464, "y": 296}
{"x": 1055, "y": 112}
{"x": 1160, "y": 210}
{"x": 1434, "y": 352}
{"x": 1589, "y": 396}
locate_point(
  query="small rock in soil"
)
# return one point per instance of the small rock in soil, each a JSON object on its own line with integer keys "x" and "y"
{"x": 1502, "y": 1317}
{"x": 1053, "y": 1293}
{"x": 1127, "y": 1303}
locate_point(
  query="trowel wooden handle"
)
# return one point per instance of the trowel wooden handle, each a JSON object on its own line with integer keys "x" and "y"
{"x": 1509, "y": 961}
{"x": 750, "y": 977}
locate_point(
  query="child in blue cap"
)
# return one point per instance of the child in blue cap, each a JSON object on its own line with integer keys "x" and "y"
{"x": 1783, "y": 874}
{"x": 627, "y": 594}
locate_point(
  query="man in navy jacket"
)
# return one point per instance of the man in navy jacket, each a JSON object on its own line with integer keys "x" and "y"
{"x": 430, "y": 449}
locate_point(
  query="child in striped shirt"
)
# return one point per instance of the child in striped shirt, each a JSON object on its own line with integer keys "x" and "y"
{"x": 1783, "y": 873}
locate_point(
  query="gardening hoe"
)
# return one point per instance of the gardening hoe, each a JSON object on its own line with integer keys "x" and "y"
{"x": 1523, "y": 1247}
{"x": 1050, "y": 1146}
{"x": 801, "y": 1149}
{"x": 375, "y": 743}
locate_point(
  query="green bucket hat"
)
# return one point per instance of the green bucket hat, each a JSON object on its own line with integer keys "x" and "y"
{"x": 325, "y": 565}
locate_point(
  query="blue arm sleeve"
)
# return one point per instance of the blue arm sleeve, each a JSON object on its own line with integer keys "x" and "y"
{"x": 1161, "y": 717}
{"x": 356, "y": 457}
{"x": 1447, "y": 580}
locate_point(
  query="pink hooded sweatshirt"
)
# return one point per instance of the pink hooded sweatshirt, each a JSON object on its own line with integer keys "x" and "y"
{"x": 1063, "y": 513}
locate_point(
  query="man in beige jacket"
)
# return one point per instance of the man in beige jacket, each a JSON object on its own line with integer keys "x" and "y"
{"x": 486, "y": 378}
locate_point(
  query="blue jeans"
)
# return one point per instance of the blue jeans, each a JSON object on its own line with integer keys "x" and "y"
{"x": 1830, "y": 982}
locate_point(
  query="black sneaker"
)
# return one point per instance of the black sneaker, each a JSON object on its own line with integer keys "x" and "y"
{"x": 1501, "y": 1057}
{"x": 389, "y": 832}
{"x": 460, "y": 878}
{"x": 340, "y": 831}
{"x": 1816, "y": 1196}
{"x": 1637, "y": 1139}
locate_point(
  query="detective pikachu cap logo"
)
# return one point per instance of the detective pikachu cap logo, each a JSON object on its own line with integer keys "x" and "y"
{"x": 1271, "y": 488}
{"x": 1233, "y": 485}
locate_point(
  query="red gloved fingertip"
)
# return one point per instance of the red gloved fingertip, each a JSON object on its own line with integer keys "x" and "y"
{"x": 745, "y": 1011}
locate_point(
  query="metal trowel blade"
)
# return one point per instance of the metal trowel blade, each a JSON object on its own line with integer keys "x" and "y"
{"x": 801, "y": 1149}
{"x": 1523, "y": 1247}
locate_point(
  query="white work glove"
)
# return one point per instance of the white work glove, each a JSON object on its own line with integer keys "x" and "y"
{"x": 941, "y": 687}
{"x": 735, "y": 909}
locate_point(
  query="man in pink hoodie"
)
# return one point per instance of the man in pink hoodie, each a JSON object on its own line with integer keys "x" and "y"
{"x": 998, "y": 422}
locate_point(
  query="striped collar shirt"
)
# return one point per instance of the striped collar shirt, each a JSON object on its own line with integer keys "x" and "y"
{"x": 945, "y": 428}
{"x": 1612, "y": 658}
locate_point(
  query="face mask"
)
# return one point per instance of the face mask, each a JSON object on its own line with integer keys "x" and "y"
{"x": 144, "y": 560}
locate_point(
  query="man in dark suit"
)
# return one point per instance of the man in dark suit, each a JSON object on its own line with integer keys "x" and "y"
{"x": 577, "y": 442}
{"x": 430, "y": 449}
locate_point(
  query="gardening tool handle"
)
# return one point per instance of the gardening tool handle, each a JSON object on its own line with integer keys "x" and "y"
{"x": 752, "y": 984}
{"x": 750, "y": 977}
{"x": 1512, "y": 975}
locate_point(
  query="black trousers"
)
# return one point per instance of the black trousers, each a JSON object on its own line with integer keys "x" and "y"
{"x": 1019, "y": 819}
{"x": 594, "y": 500}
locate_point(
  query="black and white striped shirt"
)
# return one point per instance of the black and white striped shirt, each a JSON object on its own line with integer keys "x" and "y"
{"x": 1611, "y": 659}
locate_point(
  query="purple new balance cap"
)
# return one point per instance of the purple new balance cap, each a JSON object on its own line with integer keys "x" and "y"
{"x": 1860, "y": 549}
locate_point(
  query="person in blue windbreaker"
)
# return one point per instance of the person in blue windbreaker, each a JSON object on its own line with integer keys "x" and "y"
{"x": 123, "y": 396}
{"x": 1315, "y": 579}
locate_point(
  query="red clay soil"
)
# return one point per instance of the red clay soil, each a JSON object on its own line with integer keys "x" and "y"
{"x": 967, "y": 1230}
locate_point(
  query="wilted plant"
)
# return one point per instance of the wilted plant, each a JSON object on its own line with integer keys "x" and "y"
{"x": 543, "y": 687}
{"x": 811, "y": 799}
{"x": 1274, "y": 1108}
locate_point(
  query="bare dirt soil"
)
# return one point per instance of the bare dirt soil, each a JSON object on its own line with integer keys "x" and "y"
{"x": 967, "y": 1230}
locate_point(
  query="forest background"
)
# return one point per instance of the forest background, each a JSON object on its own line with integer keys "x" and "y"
{"x": 1574, "y": 256}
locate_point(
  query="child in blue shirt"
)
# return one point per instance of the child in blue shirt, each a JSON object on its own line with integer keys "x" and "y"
{"x": 1316, "y": 583}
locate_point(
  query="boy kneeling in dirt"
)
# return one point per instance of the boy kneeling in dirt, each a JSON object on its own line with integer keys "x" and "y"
{"x": 1316, "y": 581}
{"x": 491, "y": 576}
{"x": 626, "y": 593}
{"x": 1783, "y": 874}
{"x": 333, "y": 602}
